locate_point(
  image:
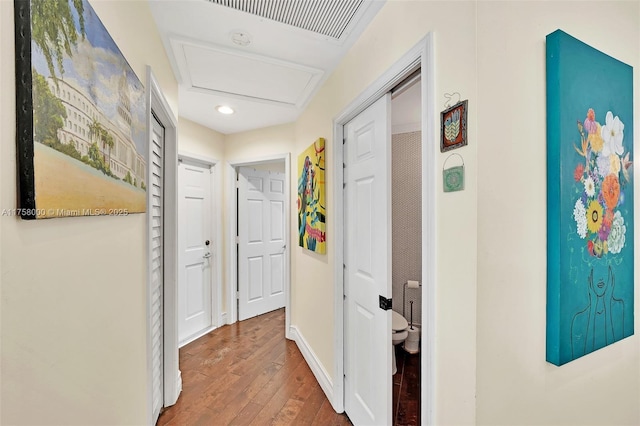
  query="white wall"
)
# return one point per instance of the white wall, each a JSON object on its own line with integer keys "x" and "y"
{"x": 515, "y": 384}
{"x": 259, "y": 143}
{"x": 73, "y": 305}
{"x": 196, "y": 139}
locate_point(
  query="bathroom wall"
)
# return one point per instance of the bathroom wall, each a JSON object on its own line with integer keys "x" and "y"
{"x": 407, "y": 223}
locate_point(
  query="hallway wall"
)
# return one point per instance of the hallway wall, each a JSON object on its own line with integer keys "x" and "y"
{"x": 196, "y": 139}
{"x": 515, "y": 384}
{"x": 397, "y": 28}
{"x": 73, "y": 292}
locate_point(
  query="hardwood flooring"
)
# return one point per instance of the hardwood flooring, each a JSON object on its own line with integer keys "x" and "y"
{"x": 406, "y": 389}
{"x": 247, "y": 373}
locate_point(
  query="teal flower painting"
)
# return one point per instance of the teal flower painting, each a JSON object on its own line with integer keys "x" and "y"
{"x": 590, "y": 226}
{"x": 600, "y": 185}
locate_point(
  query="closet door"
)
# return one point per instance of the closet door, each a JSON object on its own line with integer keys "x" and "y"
{"x": 157, "y": 261}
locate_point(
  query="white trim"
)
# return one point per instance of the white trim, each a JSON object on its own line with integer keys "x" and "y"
{"x": 231, "y": 226}
{"x": 223, "y": 319}
{"x": 232, "y": 254}
{"x": 157, "y": 103}
{"x": 197, "y": 335}
{"x": 197, "y": 158}
{"x": 178, "y": 44}
{"x": 421, "y": 55}
{"x": 314, "y": 363}
{"x": 430, "y": 131}
{"x": 218, "y": 235}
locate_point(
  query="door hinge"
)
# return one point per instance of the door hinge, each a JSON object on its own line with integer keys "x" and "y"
{"x": 344, "y": 174}
{"x": 237, "y": 295}
{"x": 385, "y": 304}
{"x": 237, "y": 239}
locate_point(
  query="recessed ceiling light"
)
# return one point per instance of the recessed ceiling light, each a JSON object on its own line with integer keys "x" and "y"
{"x": 224, "y": 109}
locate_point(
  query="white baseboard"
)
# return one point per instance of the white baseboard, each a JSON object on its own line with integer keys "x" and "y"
{"x": 196, "y": 336}
{"x": 173, "y": 398}
{"x": 314, "y": 364}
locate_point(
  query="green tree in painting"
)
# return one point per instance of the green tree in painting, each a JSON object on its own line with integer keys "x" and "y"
{"x": 53, "y": 30}
{"x": 95, "y": 156}
{"x": 98, "y": 133}
{"x": 48, "y": 112}
{"x": 95, "y": 130}
{"x": 128, "y": 178}
{"x": 109, "y": 142}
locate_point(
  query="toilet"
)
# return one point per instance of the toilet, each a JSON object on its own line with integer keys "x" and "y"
{"x": 399, "y": 334}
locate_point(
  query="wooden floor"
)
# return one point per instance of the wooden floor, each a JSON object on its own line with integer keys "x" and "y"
{"x": 247, "y": 373}
{"x": 406, "y": 389}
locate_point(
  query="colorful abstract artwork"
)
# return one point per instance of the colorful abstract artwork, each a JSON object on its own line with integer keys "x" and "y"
{"x": 453, "y": 127}
{"x": 81, "y": 124}
{"x": 590, "y": 223}
{"x": 311, "y": 198}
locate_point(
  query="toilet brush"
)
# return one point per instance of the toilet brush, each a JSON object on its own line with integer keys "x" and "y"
{"x": 411, "y": 344}
{"x": 411, "y": 314}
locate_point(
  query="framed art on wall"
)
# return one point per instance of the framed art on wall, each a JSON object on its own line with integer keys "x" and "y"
{"x": 453, "y": 127}
{"x": 590, "y": 195}
{"x": 311, "y": 198}
{"x": 81, "y": 127}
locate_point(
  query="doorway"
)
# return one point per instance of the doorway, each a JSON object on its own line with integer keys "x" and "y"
{"x": 261, "y": 239}
{"x": 270, "y": 174}
{"x": 406, "y": 265}
{"x": 419, "y": 57}
{"x": 199, "y": 242}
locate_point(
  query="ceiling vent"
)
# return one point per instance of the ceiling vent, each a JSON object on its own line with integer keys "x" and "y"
{"x": 327, "y": 17}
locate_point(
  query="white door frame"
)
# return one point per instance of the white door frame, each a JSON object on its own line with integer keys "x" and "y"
{"x": 421, "y": 55}
{"x": 231, "y": 225}
{"x": 216, "y": 189}
{"x": 157, "y": 103}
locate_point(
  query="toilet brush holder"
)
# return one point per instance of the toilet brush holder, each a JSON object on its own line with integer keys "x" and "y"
{"x": 412, "y": 343}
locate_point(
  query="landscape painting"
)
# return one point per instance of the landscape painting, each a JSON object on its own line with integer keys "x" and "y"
{"x": 81, "y": 125}
{"x": 311, "y": 198}
{"x": 590, "y": 196}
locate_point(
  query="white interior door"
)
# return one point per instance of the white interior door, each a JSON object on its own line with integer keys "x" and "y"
{"x": 367, "y": 215}
{"x": 196, "y": 256}
{"x": 261, "y": 242}
{"x": 156, "y": 186}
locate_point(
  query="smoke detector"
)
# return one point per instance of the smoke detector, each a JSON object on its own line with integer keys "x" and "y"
{"x": 241, "y": 38}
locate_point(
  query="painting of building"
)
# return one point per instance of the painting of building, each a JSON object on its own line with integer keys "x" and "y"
{"x": 85, "y": 155}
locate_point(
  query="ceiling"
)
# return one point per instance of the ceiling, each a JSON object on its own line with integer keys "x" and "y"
{"x": 263, "y": 58}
